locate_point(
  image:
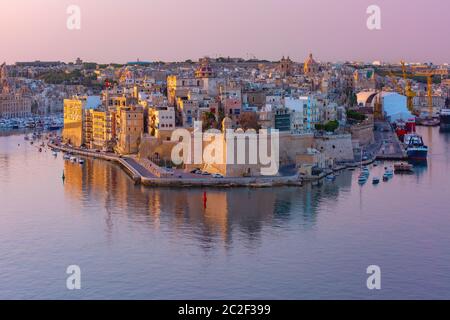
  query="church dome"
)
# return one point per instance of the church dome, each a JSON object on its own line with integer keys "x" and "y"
{"x": 310, "y": 60}
{"x": 311, "y": 66}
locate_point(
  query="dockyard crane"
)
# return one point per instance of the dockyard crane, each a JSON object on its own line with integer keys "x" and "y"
{"x": 408, "y": 92}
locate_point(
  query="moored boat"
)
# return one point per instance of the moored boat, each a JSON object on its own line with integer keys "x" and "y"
{"x": 362, "y": 179}
{"x": 415, "y": 148}
{"x": 403, "y": 167}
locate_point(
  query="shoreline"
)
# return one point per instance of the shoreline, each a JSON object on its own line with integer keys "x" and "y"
{"x": 230, "y": 182}
{"x": 235, "y": 182}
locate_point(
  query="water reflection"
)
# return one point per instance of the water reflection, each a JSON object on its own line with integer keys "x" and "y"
{"x": 137, "y": 242}
{"x": 228, "y": 213}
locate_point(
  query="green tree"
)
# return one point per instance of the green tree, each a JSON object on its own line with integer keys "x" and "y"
{"x": 330, "y": 126}
{"x": 354, "y": 115}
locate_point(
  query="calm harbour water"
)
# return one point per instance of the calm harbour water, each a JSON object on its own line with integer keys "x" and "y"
{"x": 133, "y": 242}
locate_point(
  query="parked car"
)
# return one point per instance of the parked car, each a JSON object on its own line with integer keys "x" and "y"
{"x": 217, "y": 176}
{"x": 205, "y": 173}
{"x": 195, "y": 171}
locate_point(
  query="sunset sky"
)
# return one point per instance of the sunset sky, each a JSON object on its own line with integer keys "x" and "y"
{"x": 123, "y": 30}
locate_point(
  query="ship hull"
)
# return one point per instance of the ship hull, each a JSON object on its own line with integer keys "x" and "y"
{"x": 417, "y": 154}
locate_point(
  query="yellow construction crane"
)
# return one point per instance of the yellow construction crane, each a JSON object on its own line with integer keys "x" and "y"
{"x": 408, "y": 92}
{"x": 429, "y": 74}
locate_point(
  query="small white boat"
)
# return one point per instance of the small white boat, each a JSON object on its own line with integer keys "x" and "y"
{"x": 55, "y": 154}
{"x": 73, "y": 159}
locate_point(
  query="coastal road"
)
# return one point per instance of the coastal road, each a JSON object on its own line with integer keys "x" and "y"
{"x": 139, "y": 168}
{"x": 389, "y": 144}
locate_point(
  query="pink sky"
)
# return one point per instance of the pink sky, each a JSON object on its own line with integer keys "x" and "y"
{"x": 123, "y": 30}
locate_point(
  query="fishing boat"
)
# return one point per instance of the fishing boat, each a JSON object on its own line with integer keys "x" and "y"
{"x": 415, "y": 148}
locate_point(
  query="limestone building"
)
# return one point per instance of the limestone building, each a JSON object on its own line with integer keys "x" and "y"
{"x": 13, "y": 103}
{"x": 131, "y": 129}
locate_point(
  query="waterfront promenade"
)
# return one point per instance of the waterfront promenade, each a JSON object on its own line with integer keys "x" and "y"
{"x": 179, "y": 178}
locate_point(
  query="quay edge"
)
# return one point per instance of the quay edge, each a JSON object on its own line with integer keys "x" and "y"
{"x": 252, "y": 182}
